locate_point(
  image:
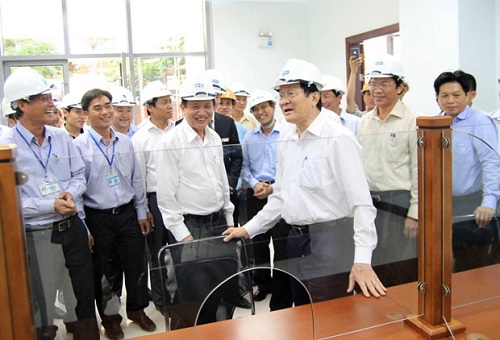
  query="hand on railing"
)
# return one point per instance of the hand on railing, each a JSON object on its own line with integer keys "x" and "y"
{"x": 483, "y": 216}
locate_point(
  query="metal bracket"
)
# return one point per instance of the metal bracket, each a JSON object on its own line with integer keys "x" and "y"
{"x": 446, "y": 142}
{"x": 21, "y": 177}
{"x": 421, "y": 142}
{"x": 421, "y": 287}
{"x": 446, "y": 290}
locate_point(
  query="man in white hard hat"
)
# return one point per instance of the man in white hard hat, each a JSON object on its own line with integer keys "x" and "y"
{"x": 319, "y": 195}
{"x": 192, "y": 186}
{"x": 123, "y": 104}
{"x": 331, "y": 97}
{"x": 56, "y": 234}
{"x": 239, "y": 115}
{"x": 157, "y": 100}
{"x": 115, "y": 206}
{"x": 8, "y": 113}
{"x": 260, "y": 150}
{"x": 74, "y": 116}
{"x": 389, "y": 139}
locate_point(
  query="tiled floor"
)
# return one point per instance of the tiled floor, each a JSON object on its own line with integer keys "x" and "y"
{"x": 132, "y": 330}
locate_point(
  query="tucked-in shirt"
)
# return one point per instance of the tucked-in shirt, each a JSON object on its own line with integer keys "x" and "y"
{"x": 320, "y": 178}
{"x": 259, "y": 156}
{"x": 99, "y": 194}
{"x": 191, "y": 177}
{"x": 64, "y": 166}
{"x": 476, "y": 165}
{"x": 146, "y": 149}
{"x": 390, "y": 152}
{"x": 350, "y": 121}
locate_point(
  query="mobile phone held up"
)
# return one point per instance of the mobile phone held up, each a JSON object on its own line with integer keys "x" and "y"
{"x": 355, "y": 52}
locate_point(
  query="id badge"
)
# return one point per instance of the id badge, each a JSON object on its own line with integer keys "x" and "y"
{"x": 49, "y": 186}
{"x": 113, "y": 180}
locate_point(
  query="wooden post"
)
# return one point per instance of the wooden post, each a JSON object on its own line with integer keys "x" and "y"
{"x": 16, "y": 317}
{"x": 434, "y": 237}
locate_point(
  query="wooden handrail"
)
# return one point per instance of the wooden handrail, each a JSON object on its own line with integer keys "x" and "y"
{"x": 16, "y": 321}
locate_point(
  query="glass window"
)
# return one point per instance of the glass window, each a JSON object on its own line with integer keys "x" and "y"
{"x": 171, "y": 71}
{"x": 97, "y": 26}
{"x": 43, "y": 35}
{"x": 85, "y": 74}
{"x": 167, "y": 26}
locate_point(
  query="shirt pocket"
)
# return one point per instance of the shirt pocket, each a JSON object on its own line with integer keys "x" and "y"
{"x": 314, "y": 174}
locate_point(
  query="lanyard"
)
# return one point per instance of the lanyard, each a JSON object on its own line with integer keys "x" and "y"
{"x": 44, "y": 166}
{"x": 110, "y": 162}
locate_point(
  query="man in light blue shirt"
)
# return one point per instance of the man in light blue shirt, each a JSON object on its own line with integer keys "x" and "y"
{"x": 115, "y": 205}
{"x": 476, "y": 171}
{"x": 51, "y": 200}
{"x": 260, "y": 150}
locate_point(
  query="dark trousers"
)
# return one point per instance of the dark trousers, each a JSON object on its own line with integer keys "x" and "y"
{"x": 48, "y": 251}
{"x": 121, "y": 230}
{"x": 159, "y": 237}
{"x": 279, "y": 284}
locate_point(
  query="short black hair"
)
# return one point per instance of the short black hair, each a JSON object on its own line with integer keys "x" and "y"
{"x": 452, "y": 77}
{"x": 310, "y": 88}
{"x": 471, "y": 80}
{"x": 90, "y": 95}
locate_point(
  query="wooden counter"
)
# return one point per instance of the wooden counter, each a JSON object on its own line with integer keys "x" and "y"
{"x": 357, "y": 317}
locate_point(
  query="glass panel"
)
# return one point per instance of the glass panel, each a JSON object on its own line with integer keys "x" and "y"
{"x": 180, "y": 33}
{"x": 97, "y": 26}
{"x": 476, "y": 245}
{"x": 42, "y": 36}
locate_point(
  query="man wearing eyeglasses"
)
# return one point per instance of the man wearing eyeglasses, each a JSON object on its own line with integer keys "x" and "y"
{"x": 388, "y": 136}
{"x": 321, "y": 191}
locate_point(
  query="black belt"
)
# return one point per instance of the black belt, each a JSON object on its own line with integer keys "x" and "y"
{"x": 300, "y": 229}
{"x": 392, "y": 208}
{"x": 113, "y": 211}
{"x": 269, "y": 182}
{"x": 208, "y": 218}
{"x": 63, "y": 224}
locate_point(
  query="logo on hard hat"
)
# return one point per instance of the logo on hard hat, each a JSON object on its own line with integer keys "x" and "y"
{"x": 199, "y": 85}
{"x": 285, "y": 72}
{"x": 380, "y": 62}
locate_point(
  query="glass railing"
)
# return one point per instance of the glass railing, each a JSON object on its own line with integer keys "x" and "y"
{"x": 305, "y": 272}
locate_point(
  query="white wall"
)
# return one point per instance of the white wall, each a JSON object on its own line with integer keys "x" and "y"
{"x": 429, "y": 47}
{"x": 236, "y": 25}
{"x": 477, "y": 48}
{"x": 435, "y": 36}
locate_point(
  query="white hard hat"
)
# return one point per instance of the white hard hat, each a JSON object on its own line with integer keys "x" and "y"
{"x": 154, "y": 89}
{"x": 240, "y": 89}
{"x": 296, "y": 70}
{"x": 197, "y": 88}
{"x": 332, "y": 83}
{"x": 6, "y": 108}
{"x": 122, "y": 97}
{"x": 386, "y": 66}
{"x": 215, "y": 76}
{"x": 71, "y": 100}
{"x": 260, "y": 96}
{"x": 24, "y": 83}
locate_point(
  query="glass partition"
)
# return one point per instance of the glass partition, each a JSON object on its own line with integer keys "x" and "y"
{"x": 316, "y": 282}
{"x": 476, "y": 247}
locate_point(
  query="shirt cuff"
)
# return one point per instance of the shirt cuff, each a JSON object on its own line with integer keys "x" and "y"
{"x": 229, "y": 219}
{"x": 363, "y": 255}
{"x": 413, "y": 211}
{"x": 180, "y": 232}
{"x": 489, "y": 201}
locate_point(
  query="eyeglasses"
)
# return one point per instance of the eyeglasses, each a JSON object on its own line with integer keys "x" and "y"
{"x": 290, "y": 94}
{"x": 382, "y": 86}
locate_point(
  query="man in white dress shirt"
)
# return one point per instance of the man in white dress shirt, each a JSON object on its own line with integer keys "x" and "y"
{"x": 157, "y": 99}
{"x": 322, "y": 192}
